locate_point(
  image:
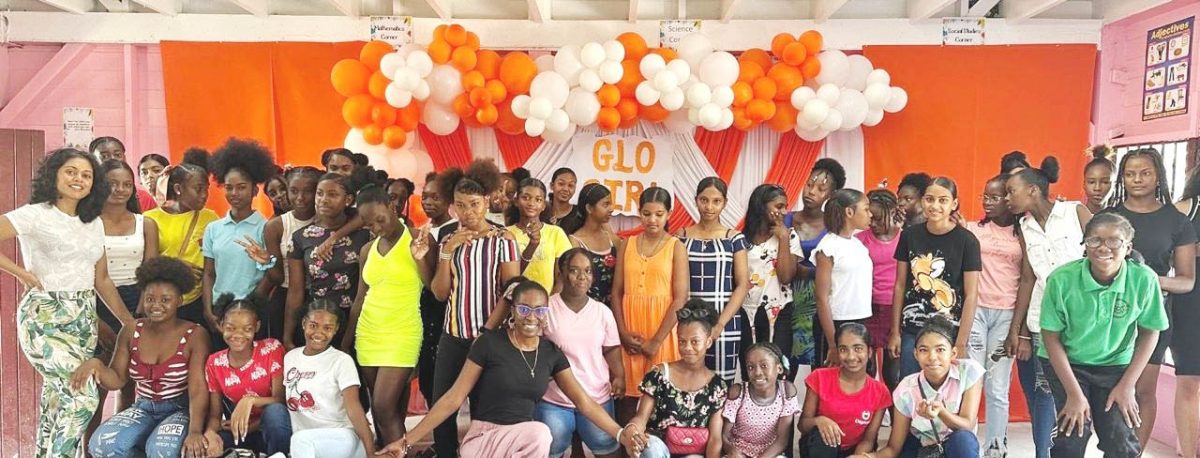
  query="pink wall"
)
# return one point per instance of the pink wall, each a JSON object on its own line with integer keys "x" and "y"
{"x": 1118, "y": 111}
{"x": 123, "y": 83}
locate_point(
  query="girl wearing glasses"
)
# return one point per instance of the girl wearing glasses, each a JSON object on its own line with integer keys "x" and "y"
{"x": 1166, "y": 239}
{"x": 506, "y": 374}
{"x": 1101, "y": 319}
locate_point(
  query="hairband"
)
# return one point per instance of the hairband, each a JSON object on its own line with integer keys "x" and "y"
{"x": 508, "y": 292}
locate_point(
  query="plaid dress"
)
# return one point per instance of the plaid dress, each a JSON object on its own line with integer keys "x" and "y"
{"x": 710, "y": 263}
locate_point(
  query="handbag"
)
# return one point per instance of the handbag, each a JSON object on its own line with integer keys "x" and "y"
{"x": 684, "y": 440}
{"x": 935, "y": 450}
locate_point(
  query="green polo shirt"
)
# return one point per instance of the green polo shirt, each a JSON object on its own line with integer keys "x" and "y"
{"x": 1098, "y": 324}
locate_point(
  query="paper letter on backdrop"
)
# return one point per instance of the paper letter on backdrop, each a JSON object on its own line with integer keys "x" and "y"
{"x": 626, "y": 165}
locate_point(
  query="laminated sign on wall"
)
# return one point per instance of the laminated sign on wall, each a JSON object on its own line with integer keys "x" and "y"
{"x": 671, "y": 31}
{"x": 1167, "y": 78}
{"x": 963, "y": 31}
{"x": 78, "y": 127}
{"x": 395, "y": 30}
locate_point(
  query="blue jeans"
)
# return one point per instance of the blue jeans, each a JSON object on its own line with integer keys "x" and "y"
{"x": 1039, "y": 400}
{"x": 274, "y": 433}
{"x": 655, "y": 448}
{"x": 564, "y": 421}
{"x": 988, "y": 335}
{"x": 156, "y": 427}
{"x": 960, "y": 444}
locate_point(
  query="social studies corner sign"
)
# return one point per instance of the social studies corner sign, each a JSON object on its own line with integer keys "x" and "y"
{"x": 1167, "y": 73}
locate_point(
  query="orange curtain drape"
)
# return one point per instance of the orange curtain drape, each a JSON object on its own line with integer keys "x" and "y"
{"x": 722, "y": 149}
{"x": 447, "y": 150}
{"x": 516, "y": 149}
{"x": 792, "y": 164}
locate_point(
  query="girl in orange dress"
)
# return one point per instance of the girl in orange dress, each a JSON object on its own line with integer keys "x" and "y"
{"x": 649, "y": 286}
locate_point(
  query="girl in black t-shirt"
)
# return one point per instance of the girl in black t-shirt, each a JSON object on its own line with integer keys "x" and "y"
{"x": 937, "y": 272}
{"x": 1165, "y": 238}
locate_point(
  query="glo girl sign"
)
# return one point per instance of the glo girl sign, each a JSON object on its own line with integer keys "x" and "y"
{"x": 626, "y": 165}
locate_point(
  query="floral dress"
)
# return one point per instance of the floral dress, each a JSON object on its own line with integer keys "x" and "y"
{"x": 675, "y": 407}
{"x": 336, "y": 279}
{"x": 604, "y": 266}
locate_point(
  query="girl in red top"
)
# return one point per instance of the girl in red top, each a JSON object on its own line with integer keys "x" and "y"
{"x": 844, "y": 406}
{"x": 245, "y": 383}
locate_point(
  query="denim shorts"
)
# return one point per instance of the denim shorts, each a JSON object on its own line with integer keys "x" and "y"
{"x": 564, "y": 421}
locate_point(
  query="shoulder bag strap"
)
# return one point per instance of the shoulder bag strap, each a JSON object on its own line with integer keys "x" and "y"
{"x": 188, "y": 236}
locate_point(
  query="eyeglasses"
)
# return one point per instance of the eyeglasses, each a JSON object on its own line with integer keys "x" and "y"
{"x": 992, "y": 199}
{"x": 685, "y": 314}
{"x": 525, "y": 310}
{"x": 1095, "y": 242}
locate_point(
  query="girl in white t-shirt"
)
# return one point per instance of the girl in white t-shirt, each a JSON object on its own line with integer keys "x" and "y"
{"x": 321, "y": 386}
{"x": 844, "y": 270}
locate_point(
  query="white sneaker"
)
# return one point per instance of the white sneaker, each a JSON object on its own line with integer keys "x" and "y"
{"x": 997, "y": 449}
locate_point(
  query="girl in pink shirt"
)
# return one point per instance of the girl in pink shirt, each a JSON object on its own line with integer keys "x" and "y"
{"x": 880, "y": 241}
{"x": 758, "y": 414}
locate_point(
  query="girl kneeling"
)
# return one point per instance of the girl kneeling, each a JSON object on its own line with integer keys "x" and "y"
{"x": 758, "y": 416}
{"x": 844, "y": 405}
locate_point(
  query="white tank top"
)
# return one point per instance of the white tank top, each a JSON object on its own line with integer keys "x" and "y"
{"x": 290, "y": 226}
{"x": 125, "y": 254}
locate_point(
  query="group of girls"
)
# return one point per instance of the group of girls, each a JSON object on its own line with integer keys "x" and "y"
{"x": 279, "y": 335}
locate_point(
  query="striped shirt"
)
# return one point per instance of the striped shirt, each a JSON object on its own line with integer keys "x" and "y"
{"x": 474, "y": 285}
{"x": 164, "y": 380}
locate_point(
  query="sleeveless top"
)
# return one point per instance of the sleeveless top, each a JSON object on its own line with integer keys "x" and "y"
{"x": 649, "y": 277}
{"x": 604, "y": 265}
{"x": 165, "y": 380}
{"x": 125, "y": 253}
{"x": 395, "y": 287}
{"x": 290, "y": 226}
{"x": 1060, "y": 242}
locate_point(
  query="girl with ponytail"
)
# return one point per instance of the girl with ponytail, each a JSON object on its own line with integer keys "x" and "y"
{"x": 1098, "y": 176}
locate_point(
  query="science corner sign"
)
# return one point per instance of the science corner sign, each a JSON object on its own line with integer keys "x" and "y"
{"x": 626, "y": 165}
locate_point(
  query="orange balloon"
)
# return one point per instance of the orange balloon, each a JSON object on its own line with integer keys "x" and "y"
{"x": 764, "y": 89}
{"x": 383, "y": 114}
{"x": 456, "y": 35}
{"x": 634, "y": 44}
{"x": 609, "y": 95}
{"x": 810, "y": 68}
{"x": 479, "y": 97}
{"x": 378, "y": 84}
{"x": 372, "y": 52}
{"x": 627, "y": 123}
{"x": 462, "y": 106}
{"x": 629, "y": 79}
{"x": 439, "y": 51}
{"x": 654, "y": 113}
{"x": 357, "y": 110}
{"x": 787, "y": 79}
{"x": 780, "y": 42}
{"x": 608, "y": 118}
{"x": 740, "y": 121}
{"x": 487, "y": 115}
{"x": 759, "y": 110}
{"x": 517, "y": 70}
{"x": 472, "y": 80}
{"x": 497, "y": 90}
{"x": 794, "y": 53}
{"x": 813, "y": 41}
{"x": 628, "y": 109}
{"x": 464, "y": 59}
{"x": 742, "y": 93}
{"x": 749, "y": 71}
{"x": 758, "y": 56}
{"x": 394, "y": 137}
{"x": 488, "y": 63}
{"x": 349, "y": 77}
{"x": 372, "y": 134}
{"x": 439, "y": 32}
{"x": 472, "y": 41}
{"x": 785, "y": 117}
{"x": 408, "y": 117}
{"x": 667, "y": 54}
{"x": 508, "y": 122}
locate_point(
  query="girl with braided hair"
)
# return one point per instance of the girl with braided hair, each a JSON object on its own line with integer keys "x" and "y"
{"x": 881, "y": 240}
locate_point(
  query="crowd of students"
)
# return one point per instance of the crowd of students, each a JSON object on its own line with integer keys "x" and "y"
{"x": 299, "y": 334}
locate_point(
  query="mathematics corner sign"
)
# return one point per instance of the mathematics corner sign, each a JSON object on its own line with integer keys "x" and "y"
{"x": 1168, "y": 76}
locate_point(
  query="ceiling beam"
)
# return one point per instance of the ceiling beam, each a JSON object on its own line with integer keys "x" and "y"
{"x": 727, "y": 7}
{"x": 441, "y": 7}
{"x": 116, "y": 6}
{"x": 925, "y": 9}
{"x": 1020, "y": 10}
{"x": 539, "y": 10}
{"x": 981, "y": 8}
{"x": 633, "y": 10}
{"x": 824, "y": 9}
{"x": 167, "y": 7}
{"x": 71, "y": 6}
{"x": 260, "y": 8}
{"x": 350, "y": 8}
{"x": 1115, "y": 10}
{"x": 682, "y": 13}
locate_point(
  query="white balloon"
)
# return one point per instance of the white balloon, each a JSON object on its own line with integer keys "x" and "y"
{"x": 693, "y": 48}
{"x": 853, "y": 107}
{"x": 835, "y": 67}
{"x": 397, "y": 97}
{"x": 651, "y": 64}
{"x": 559, "y": 137}
{"x": 665, "y": 81}
{"x": 874, "y": 117}
{"x": 520, "y": 106}
{"x": 833, "y": 121}
{"x": 582, "y": 107}
{"x": 445, "y": 83}
{"x": 588, "y": 79}
{"x": 698, "y": 95}
{"x": 897, "y": 101}
{"x": 709, "y": 116}
{"x": 681, "y": 69}
{"x": 812, "y": 135}
{"x": 591, "y": 55}
{"x": 829, "y": 93}
{"x": 858, "y": 69}
{"x": 566, "y": 62}
{"x": 801, "y": 96}
{"x": 678, "y": 123}
{"x": 422, "y": 91}
{"x": 719, "y": 69}
{"x": 693, "y": 116}
{"x": 540, "y": 108}
{"x": 645, "y": 94}
{"x": 611, "y": 71}
{"x": 439, "y": 119}
{"x": 534, "y": 127}
{"x": 407, "y": 49}
{"x": 545, "y": 63}
{"x": 877, "y": 95}
{"x": 406, "y": 78}
{"x": 726, "y": 119}
{"x": 815, "y": 111}
{"x": 879, "y": 76}
{"x": 672, "y": 100}
{"x": 552, "y": 86}
{"x": 802, "y": 123}
{"x": 420, "y": 61}
{"x": 557, "y": 121}
{"x": 723, "y": 97}
{"x": 614, "y": 51}
{"x": 390, "y": 62}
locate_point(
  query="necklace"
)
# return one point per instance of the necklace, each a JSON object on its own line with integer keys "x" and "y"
{"x": 521, "y": 352}
{"x": 657, "y": 245}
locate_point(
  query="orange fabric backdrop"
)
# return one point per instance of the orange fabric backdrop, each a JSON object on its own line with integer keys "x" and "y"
{"x": 969, "y": 105}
